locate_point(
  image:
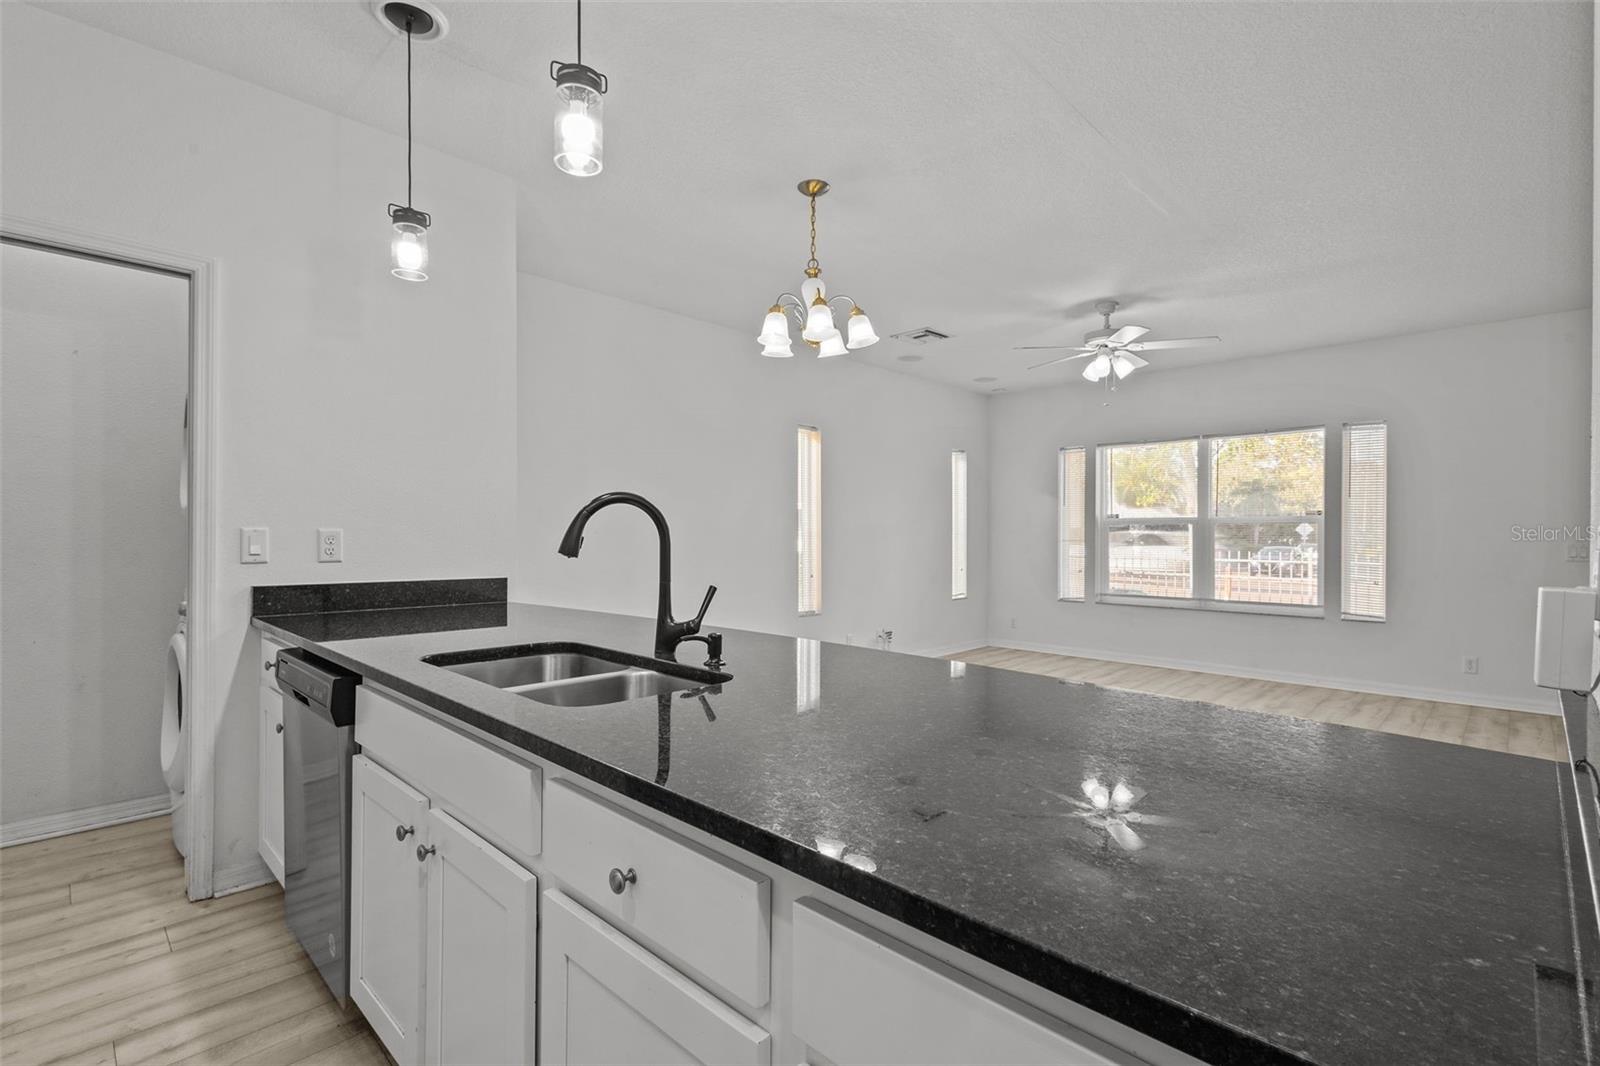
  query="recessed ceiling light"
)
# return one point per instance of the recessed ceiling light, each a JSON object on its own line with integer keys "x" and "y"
{"x": 909, "y": 358}
{"x": 985, "y": 380}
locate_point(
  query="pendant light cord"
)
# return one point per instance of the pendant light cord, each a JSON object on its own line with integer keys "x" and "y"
{"x": 408, "y": 110}
{"x": 580, "y": 33}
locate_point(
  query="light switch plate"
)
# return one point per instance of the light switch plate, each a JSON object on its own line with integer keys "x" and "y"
{"x": 254, "y": 544}
{"x": 330, "y": 545}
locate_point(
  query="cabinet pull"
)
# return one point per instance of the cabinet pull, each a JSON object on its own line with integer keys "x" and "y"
{"x": 403, "y": 831}
{"x": 424, "y": 852}
{"x": 278, "y": 728}
{"x": 270, "y": 664}
{"x": 620, "y": 881}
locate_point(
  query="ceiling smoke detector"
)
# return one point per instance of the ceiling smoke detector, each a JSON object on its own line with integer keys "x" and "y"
{"x": 925, "y": 335}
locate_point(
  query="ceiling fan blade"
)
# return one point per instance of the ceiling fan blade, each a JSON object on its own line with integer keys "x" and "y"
{"x": 1063, "y": 359}
{"x": 1182, "y": 342}
{"x": 1126, "y": 335}
{"x": 1049, "y": 348}
{"x": 1135, "y": 360}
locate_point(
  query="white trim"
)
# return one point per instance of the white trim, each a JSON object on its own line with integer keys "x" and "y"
{"x": 950, "y": 649}
{"x": 1292, "y": 610}
{"x": 1535, "y": 705}
{"x": 247, "y": 875}
{"x": 55, "y": 825}
{"x": 204, "y": 404}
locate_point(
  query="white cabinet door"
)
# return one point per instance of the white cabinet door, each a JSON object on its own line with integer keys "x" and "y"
{"x": 269, "y": 790}
{"x": 480, "y": 977}
{"x": 387, "y": 818}
{"x": 606, "y": 1000}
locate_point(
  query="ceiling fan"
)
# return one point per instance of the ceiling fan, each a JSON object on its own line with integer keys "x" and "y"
{"x": 1113, "y": 351}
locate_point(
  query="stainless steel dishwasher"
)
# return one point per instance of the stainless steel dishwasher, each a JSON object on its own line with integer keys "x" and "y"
{"x": 319, "y": 714}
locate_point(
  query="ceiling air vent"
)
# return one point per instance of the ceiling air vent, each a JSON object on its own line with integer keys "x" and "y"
{"x": 925, "y": 335}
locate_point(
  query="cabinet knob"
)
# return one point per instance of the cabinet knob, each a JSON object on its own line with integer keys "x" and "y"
{"x": 424, "y": 852}
{"x": 620, "y": 881}
{"x": 403, "y": 831}
{"x": 270, "y": 664}
{"x": 278, "y": 728}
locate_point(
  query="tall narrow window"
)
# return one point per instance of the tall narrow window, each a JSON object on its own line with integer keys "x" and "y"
{"x": 958, "y": 525}
{"x": 1366, "y": 521}
{"x": 808, "y": 484}
{"x": 1071, "y": 489}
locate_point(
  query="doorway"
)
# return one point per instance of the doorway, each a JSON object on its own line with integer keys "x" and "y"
{"x": 94, "y": 538}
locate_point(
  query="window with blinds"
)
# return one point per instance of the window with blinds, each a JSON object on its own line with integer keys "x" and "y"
{"x": 808, "y": 509}
{"x": 1366, "y": 521}
{"x": 1071, "y": 493}
{"x": 958, "y": 525}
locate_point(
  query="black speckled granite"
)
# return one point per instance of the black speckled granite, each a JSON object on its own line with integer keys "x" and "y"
{"x": 1303, "y": 891}
{"x": 374, "y": 595}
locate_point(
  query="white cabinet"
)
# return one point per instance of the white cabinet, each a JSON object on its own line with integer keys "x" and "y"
{"x": 481, "y": 973}
{"x": 387, "y": 819}
{"x": 269, "y": 764}
{"x": 606, "y": 1000}
{"x": 442, "y": 931}
{"x": 863, "y": 997}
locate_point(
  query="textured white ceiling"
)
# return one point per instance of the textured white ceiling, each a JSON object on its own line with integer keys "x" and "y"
{"x": 1285, "y": 175}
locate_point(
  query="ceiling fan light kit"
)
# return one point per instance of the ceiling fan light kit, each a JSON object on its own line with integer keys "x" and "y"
{"x": 813, "y": 309}
{"x": 1111, "y": 352}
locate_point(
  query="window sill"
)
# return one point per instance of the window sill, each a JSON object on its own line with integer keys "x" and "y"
{"x": 1224, "y": 606}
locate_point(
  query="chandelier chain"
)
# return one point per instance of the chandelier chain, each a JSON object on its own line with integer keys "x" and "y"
{"x": 812, "y": 262}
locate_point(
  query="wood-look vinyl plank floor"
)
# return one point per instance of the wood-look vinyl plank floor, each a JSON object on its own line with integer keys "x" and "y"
{"x": 103, "y": 960}
{"x": 1513, "y": 732}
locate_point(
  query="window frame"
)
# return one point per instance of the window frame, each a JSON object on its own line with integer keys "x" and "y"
{"x": 1064, "y": 542}
{"x": 808, "y": 595}
{"x": 1345, "y": 547}
{"x": 1202, "y": 527}
{"x": 959, "y": 525}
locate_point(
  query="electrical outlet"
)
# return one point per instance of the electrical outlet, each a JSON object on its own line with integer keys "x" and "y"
{"x": 330, "y": 545}
{"x": 1013, "y": 623}
{"x": 849, "y": 638}
{"x": 1469, "y": 665}
{"x": 1577, "y": 551}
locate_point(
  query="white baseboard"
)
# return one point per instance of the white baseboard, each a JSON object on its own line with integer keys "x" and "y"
{"x": 227, "y": 880}
{"x": 1533, "y": 705}
{"x": 27, "y": 830}
{"x": 950, "y": 649}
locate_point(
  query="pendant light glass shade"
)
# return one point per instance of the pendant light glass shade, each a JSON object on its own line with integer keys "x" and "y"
{"x": 579, "y": 129}
{"x": 408, "y": 248}
{"x": 819, "y": 321}
{"x": 775, "y": 327}
{"x": 862, "y": 335}
{"x": 832, "y": 344}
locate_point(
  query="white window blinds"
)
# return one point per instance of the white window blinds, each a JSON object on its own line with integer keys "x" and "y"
{"x": 1366, "y": 520}
{"x": 1071, "y": 491}
{"x": 958, "y": 525}
{"x": 808, "y": 483}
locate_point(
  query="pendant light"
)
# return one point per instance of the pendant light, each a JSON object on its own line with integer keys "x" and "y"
{"x": 580, "y": 134}
{"x": 812, "y": 309}
{"x": 408, "y": 247}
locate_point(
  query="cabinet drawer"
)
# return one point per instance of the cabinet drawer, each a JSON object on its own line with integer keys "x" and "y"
{"x": 486, "y": 789}
{"x": 862, "y": 997}
{"x": 704, "y": 911}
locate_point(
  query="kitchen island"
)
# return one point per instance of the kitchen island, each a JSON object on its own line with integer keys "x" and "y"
{"x": 1236, "y": 886}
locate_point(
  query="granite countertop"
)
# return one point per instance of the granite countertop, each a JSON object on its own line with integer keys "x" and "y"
{"x": 1265, "y": 889}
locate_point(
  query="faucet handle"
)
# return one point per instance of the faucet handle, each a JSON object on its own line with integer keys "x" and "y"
{"x": 705, "y": 604}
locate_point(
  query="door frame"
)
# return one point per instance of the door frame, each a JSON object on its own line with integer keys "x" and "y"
{"x": 203, "y": 693}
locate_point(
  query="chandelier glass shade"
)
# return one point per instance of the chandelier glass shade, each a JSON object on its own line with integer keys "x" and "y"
{"x": 812, "y": 310}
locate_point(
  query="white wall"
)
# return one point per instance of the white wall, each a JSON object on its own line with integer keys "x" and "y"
{"x": 94, "y": 362}
{"x": 614, "y": 395}
{"x": 350, "y": 398}
{"x": 1487, "y": 430}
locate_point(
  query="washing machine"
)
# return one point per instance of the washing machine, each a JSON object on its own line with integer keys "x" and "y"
{"x": 175, "y": 728}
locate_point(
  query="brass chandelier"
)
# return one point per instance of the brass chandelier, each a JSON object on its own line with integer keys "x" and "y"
{"x": 812, "y": 309}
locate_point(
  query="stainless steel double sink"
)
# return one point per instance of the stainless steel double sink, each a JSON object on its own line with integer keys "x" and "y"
{"x": 575, "y": 675}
